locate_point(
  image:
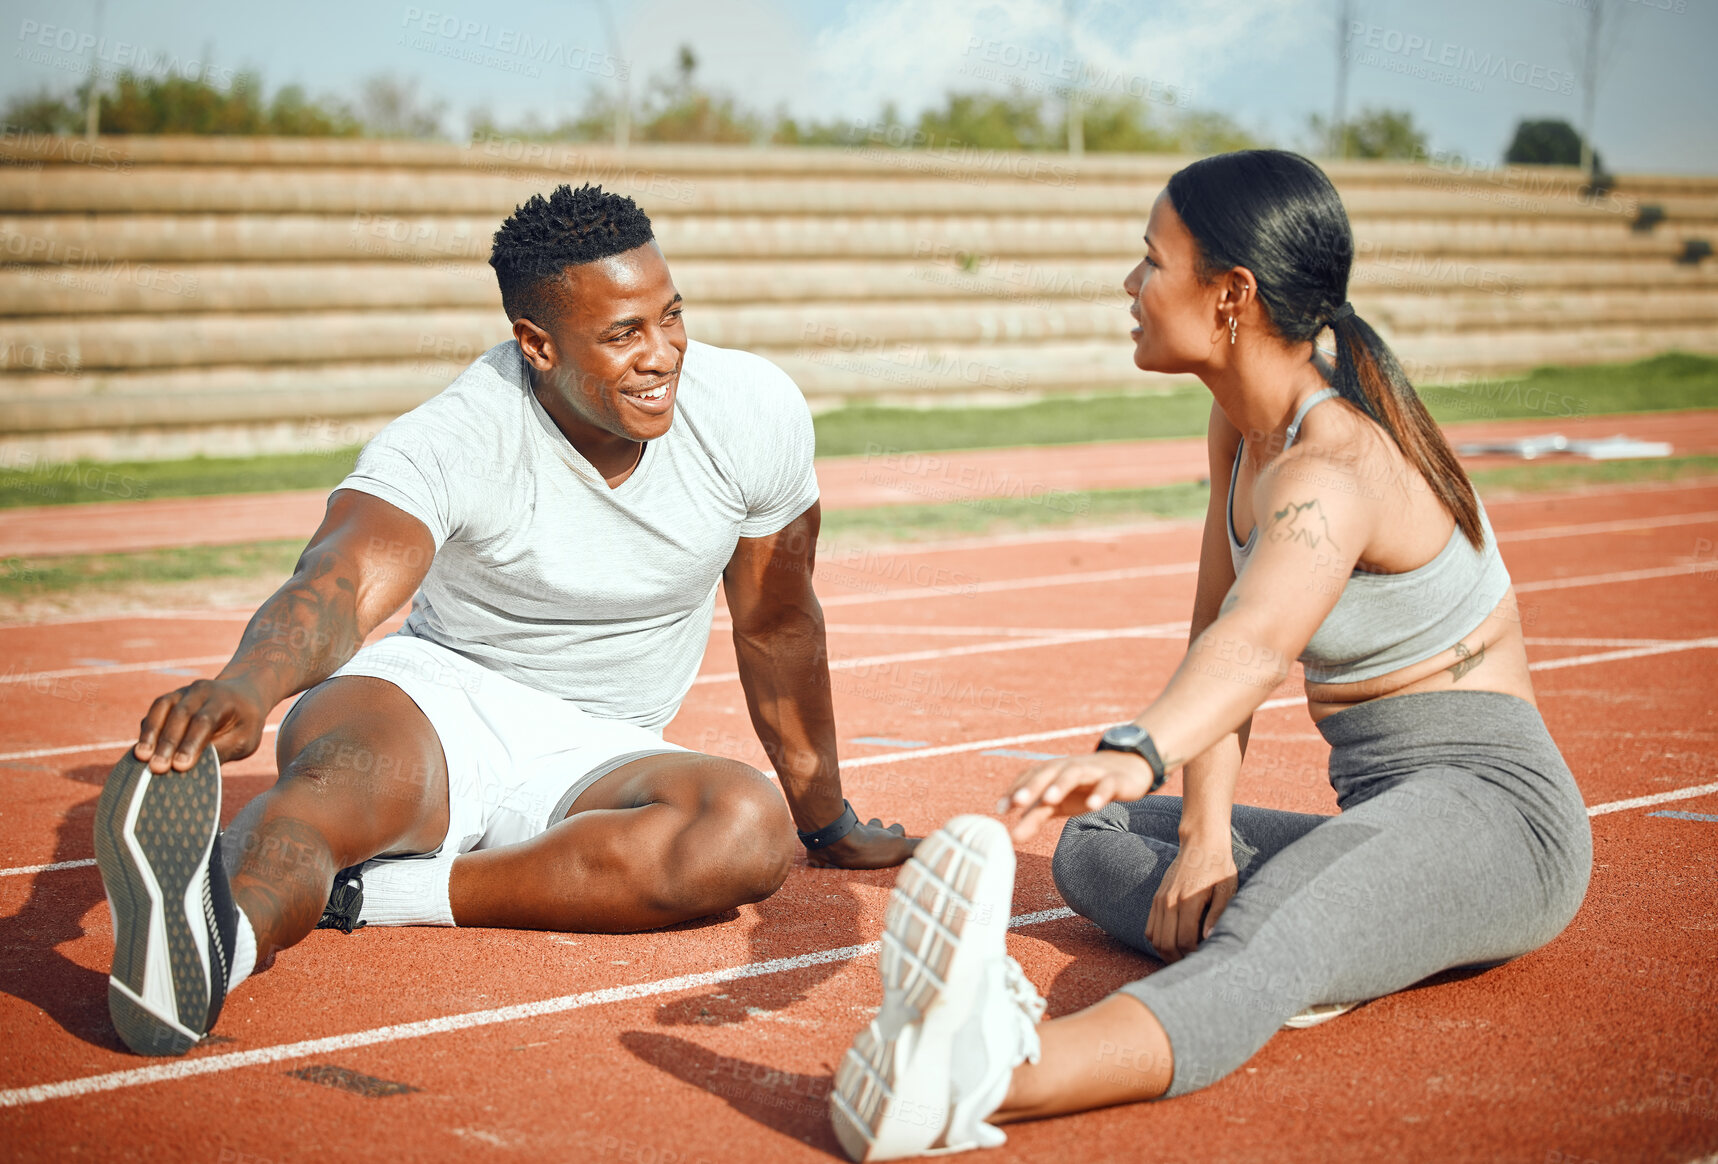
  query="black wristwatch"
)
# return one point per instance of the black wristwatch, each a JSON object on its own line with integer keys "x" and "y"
{"x": 822, "y": 838}
{"x": 1130, "y": 737}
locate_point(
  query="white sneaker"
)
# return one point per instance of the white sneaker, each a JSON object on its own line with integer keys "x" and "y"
{"x": 958, "y": 1015}
{"x": 1321, "y": 1013}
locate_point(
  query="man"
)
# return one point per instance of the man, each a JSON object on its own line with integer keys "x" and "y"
{"x": 559, "y": 516}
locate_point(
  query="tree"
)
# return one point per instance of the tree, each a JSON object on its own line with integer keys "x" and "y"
{"x": 989, "y": 121}
{"x": 1548, "y": 142}
{"x": 1376, "y": 133}
{"x": 389, "y": 107}
{"x": 139, "y": 103}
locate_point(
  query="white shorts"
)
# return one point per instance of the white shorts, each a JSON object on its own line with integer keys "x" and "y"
{"x": 517, "y": 757}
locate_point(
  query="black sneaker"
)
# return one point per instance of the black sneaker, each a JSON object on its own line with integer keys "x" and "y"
{"x": 157, "y": 844}
{"x": 345, "y": 900}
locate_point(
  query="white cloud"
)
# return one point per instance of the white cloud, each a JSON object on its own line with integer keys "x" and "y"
{"x": 913, "y": 51}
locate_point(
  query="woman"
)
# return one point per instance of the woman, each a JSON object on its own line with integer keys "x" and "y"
{"x": 1349, "y": 537}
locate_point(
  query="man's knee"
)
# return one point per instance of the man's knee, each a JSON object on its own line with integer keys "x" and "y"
{"x": 738, "y": 848}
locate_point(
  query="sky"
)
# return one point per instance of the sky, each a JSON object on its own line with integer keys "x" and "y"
{"x": 1468, "y": 70}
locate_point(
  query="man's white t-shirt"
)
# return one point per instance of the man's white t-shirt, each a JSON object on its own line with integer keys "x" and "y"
{"x": 543, "y": 573}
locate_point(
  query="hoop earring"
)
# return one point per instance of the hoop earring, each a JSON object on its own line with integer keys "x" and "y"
{"x": 1231, "y": 331}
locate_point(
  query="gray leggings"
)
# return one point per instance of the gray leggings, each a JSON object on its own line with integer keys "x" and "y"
{"x": 1462, "y": 841}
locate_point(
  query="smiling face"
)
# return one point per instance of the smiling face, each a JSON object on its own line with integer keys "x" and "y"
{"x": 606, "y": 366}
{"x": 1178, "y": 317}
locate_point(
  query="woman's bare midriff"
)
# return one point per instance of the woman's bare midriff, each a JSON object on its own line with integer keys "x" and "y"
{"x": 1491, "y": 657}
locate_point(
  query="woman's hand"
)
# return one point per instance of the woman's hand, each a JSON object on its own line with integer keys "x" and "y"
{"x": 1075, "y": 784}
{"x": 1194, "y": 891}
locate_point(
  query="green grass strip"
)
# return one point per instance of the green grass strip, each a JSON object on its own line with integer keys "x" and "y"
{"x": 1673, "y": 381}
{"x": 1555, "y": 475}
{"x": 23, "y": 578}
{"x": 85, "y": 481}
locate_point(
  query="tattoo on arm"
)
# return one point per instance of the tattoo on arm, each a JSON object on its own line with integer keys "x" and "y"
{"x": 1301, "y": 521}
{"x": 1466, "y": 661}
{"x": 306, "y": 631}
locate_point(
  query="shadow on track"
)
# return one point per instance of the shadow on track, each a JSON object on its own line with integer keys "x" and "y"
{"x": 815, "y": 910}
{"x": 793, "y": 1104}
{"x": 34, "y": 970}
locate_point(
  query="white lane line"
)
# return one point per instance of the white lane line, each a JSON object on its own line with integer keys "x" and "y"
{"x": 1655, "y": 798}
{"x": 209, "y": 1065}
{"x": 1619, "y": 576}
{"x": 104, "y": 746}
{"x": 113, "y": 669}
{"x": 235, "y": 614}
{"x": 1628, "y": 653}
{"x": 1027, "y": 738}
{"x": 1581, "y": 642}
{"x": 25, "y": 869}
{"x": 1002, "y": 632}
{"x": 1597, "y": 527}
{"x": 1003, "y": 585}
{"x": 1081, "y": 535}
{"x": 1164, "y": 630}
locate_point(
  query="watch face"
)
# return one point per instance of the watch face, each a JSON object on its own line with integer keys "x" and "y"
{"x": 1125, "y": 735}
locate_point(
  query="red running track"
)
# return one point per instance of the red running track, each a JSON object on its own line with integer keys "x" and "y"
{"x": 716, "y": 1041}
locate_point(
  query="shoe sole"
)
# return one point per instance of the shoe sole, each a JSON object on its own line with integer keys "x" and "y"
{"x": 1312, "y": 1016}
{"x": 930, "y": 975}
{"x": 153, "y": 835}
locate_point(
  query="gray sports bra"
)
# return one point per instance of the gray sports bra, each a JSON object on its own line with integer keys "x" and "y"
{"x": 1383, "y": 622}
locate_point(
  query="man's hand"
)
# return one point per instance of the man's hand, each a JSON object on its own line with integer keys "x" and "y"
{"x": 1075, "y": 784}
{"x": 868, "y": 846}
{"x": 221, "y": 712}
{"x": 1195, "y": 890}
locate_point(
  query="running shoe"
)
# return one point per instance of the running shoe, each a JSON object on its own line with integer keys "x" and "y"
{"x": 345, "y": 901}
{"x": 157, "y": 845}
{"x": 1322, "y": 1013}
{"x": 958, "y": 1015}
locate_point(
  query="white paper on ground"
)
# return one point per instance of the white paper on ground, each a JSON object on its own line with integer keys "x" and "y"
{"x": 1530, "y": 448}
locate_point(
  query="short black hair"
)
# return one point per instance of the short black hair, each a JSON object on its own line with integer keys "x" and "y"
{"x": 547, "y": 235}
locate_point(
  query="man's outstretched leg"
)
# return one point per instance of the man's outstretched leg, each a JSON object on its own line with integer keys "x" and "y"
{"x": 361, "y": 774}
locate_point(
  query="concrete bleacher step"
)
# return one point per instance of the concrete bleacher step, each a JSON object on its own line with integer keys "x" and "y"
{"x": 121, "y": 288}
{"x": 83, "y": 240}
{"x": 329, "y": 190}
{"x": 841, "y": 326}
{"x": 43, "y": 402}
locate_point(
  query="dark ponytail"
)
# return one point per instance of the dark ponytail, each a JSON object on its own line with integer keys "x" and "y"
{"x": 1277, "y": 214}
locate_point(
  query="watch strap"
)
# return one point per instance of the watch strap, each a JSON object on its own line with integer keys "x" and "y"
{"x": 1146, "y": 750}
{"x": 830, "y": 833}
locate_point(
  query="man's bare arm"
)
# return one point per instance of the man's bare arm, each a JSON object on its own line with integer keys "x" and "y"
{"x": 784, "y": 668}
{"x": 364, "y": 561}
